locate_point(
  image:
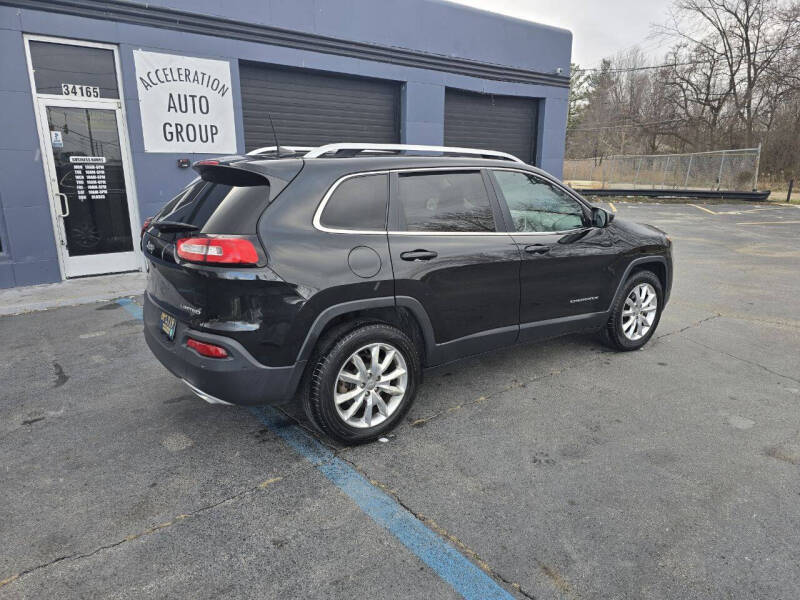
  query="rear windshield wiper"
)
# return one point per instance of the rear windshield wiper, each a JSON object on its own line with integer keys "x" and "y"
{"x": 167, "y": 226}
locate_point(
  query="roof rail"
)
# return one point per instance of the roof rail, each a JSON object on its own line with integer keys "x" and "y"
{"x": 353, "y": 149}
{"x": 268, "y": 149}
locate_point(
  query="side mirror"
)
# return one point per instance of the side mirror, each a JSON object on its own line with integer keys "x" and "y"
{"x": 601, "y": 217}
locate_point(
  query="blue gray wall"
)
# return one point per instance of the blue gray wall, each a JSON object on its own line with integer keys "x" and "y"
{"x": 29, "y": 252}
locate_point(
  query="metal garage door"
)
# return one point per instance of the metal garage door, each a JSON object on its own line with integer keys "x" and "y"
{"x": 504, "y": 123}
{"x": 310, "y": 108}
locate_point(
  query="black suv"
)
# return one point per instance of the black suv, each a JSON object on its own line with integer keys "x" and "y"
{"x": 335, "y": 276}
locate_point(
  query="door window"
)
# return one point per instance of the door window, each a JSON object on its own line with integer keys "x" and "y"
{"x": 445, "y": 202}
{"x": 358, "y": 203}
{"x": 536, "y": 205}
{"x": 91, "y": 183}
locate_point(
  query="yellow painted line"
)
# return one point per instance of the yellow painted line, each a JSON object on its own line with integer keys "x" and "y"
{"x": 269, "y": 482}
{"x": 614, "y": 208}
{"x": 749, "y": 210}
{"x": 770, "y": 223}
{"x": 703, "y": 208}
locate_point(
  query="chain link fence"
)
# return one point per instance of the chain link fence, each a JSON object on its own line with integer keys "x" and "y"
{"x": 729, "y": 170}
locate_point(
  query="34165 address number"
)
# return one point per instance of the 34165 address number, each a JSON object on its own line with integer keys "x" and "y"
{"x": 82, "y": 91}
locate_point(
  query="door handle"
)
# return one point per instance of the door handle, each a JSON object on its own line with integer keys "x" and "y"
{"x": 63, "y": 204}
{"x": 415, "y": 255}
{"x": 537, "y": 249}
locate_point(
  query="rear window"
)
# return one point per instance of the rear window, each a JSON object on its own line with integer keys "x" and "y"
{"x": 446, "y": 202}
{"x": 218, "y": 207}
{"x": 358, "y": 203}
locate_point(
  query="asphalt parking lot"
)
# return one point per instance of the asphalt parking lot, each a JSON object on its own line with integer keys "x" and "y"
{"x": 558, "y": 470}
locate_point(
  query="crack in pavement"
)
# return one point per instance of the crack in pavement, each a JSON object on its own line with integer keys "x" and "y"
{"x": 150, "y": 530}
{"x": 690, "y": 326}
{"x": 424, "y": 420}
{"x": 775, "y": 321}
{"x": 516, "y": 384}
{"x": 744, "y": 360}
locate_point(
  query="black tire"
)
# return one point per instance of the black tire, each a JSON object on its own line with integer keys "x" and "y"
{"x": 333, "y": 353}
{"x": 613, "y": 334}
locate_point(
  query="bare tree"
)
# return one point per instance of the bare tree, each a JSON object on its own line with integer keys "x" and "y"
{"x": 750, "y": 37}
{"x": 729, "y": 79}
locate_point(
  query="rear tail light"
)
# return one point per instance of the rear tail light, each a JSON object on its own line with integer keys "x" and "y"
{"x": 228, "y": 250}
{"x": 145, "y": 225}
{"x": 206, "y": 349}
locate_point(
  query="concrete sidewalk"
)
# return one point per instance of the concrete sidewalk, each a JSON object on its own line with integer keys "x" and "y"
{"x": 68, "y": 293}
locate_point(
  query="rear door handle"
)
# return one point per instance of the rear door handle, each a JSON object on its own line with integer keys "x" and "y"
{"x": 415, "y": 255}
{"x": 537, "y": 249}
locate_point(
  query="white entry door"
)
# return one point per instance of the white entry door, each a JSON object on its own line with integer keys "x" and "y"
{"x": 88, "y": 171}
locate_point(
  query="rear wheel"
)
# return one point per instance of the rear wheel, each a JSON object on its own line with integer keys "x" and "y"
{"x": 363, "y": 383}
{"x": 636, "y": 313}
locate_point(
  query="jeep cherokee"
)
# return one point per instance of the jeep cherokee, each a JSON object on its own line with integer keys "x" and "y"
{"x": 335, "y": 275}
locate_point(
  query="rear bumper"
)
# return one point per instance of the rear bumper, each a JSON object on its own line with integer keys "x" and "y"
{"x": 237, "y": 379}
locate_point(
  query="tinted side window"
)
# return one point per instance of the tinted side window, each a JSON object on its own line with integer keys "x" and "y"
{"x": 358, "y": 203}
{"x": 536, "y": 205}
{"x": 455, "y": 201}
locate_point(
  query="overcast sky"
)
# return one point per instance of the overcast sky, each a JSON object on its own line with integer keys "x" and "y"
{"x": 599, "y": 28}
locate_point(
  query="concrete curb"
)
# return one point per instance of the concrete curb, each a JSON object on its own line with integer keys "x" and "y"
{"x": 73, "y": 292}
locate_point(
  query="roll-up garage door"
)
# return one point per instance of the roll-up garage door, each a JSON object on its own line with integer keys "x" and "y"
{"x": 489, "y": 122}
{"x": 310, "y": 108}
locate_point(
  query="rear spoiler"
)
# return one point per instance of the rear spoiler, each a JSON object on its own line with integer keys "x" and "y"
{"x": 244, "y": 171}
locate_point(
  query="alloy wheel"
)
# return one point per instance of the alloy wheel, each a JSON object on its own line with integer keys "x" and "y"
{"x": 371, "y": 385}
{"x": 639, "y": 311}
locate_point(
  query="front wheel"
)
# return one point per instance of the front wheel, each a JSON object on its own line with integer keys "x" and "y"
{"x": 636, "y": 313}
{"x": 363, "y": 383}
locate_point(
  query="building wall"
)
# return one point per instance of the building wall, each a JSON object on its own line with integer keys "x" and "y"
{"x": 29, "y": 253}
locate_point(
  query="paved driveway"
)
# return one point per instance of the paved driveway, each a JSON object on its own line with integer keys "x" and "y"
{"x": 555, "y": 470}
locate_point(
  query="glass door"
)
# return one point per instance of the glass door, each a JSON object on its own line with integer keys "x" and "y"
{"x": 89, "y": 180}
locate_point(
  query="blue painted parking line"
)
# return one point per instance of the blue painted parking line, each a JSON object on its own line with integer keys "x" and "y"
{"x": 134, "y": 309}
{"x": 465, "y": 577}
{"x": 447, "y": 562}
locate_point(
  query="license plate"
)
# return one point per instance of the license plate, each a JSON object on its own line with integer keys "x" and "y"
{"x": 168, "y": 324}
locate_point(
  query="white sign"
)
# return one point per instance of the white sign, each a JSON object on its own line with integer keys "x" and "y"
{"x": 90, "y": 178}
{"x": 87, "y": 159}
{"x": 186, "y": 103}
{"x": 56, "y": 139}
